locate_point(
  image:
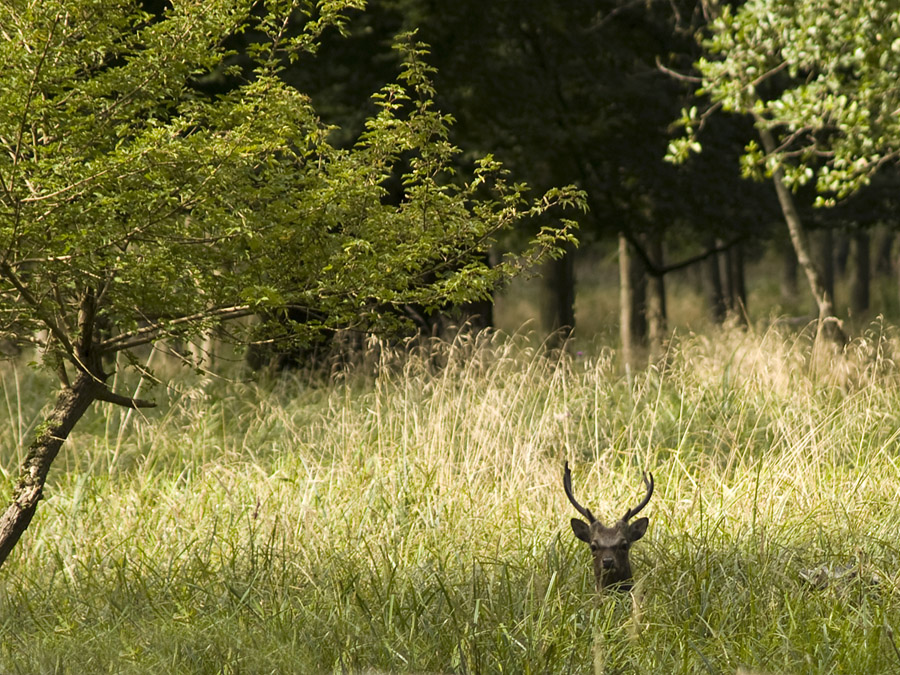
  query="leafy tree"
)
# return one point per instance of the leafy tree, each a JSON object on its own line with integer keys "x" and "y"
{"x": 820, "y": 81}
{"x": 134, "y": 208}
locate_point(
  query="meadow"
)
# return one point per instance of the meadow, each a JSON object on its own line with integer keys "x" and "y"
{"x": 408, "y": 516}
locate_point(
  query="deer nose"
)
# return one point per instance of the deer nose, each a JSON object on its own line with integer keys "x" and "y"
{"x": 607, "y": 562}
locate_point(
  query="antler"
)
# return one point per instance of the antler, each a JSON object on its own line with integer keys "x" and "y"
{"x": 567, "y": 485}
{"x": 637, "y": 509}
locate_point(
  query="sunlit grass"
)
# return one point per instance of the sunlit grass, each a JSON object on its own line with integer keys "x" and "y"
{"x": 411, "y": 518}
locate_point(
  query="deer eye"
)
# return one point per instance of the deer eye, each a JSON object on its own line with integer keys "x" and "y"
{"x": 594, "y": 547}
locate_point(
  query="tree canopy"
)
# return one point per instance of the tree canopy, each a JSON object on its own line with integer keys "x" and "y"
{"x": 820, "y": 82}
{"x": 124, "y": 187}
{"x": 823, "y": 77}
{"x": 135, "y": 207}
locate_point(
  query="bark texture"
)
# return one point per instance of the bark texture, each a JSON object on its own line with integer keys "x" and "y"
{"x": 829, "y": 325}
{"x": 71, "y": 404}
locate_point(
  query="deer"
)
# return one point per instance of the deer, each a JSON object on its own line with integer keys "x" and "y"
{"x": 610, "y": 545}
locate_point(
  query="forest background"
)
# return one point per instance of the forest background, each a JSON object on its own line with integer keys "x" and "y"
{"x": 370, "y": 489}
{"x": 602, "y": 96}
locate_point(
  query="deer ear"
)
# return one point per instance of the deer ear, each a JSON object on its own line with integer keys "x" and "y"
{"x": 637, "y": 529}
{"x": 582, "y": 530}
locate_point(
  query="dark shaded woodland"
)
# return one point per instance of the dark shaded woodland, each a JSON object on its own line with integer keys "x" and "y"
{"x": 586, "y": 93}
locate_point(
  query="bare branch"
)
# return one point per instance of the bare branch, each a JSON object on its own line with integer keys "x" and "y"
{"x": 157, "y": 329}
{"x": 68, "y": 188}
{"x": 104, "y": 394}
{"x": 658, "y": 271}
{"x": 694, "y": 79}
{"x": 40, "y": 261}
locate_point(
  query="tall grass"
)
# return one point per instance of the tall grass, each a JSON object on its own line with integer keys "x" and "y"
{"x": 411, "y": 518}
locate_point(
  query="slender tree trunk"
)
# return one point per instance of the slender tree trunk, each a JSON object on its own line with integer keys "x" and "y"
{"x": 626, "y": 303}
{"x": 842, "y": 243}
{"x": 637, "y": 271}
{"x": 725, "y": 277}
{"x": 731, "y": 273}
{"x": 828, "y": 259}
{"x": 713, "y": 282}
{"x": 738, "y": 285}
{"x": 629, "y": 305}
{"x": 71, "y": 404}
{"x": 828, "y": 322}
{"x": 560, "y": 305}
{"x": 789, "y": 290}
{"x": 884, "y": 246}
{"x": 656, "y": 300}
{"x": 638, "y": 301}
{"x": 859, "y": 290}
{"x": 479, "y": 315}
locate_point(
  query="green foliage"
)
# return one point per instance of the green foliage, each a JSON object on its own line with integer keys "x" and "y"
{"x": 135, "y": 206}
{"x": 415, "y": 521}
{"x": 823, "y": 77}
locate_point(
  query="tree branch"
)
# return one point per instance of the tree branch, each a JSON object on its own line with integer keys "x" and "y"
{"x": 54, "y": 328}
{"x": 656, "y": 271}
{"x": 104, "y": 394}
{"x": 681, "y": 77}
{"x": 154, "y": 331}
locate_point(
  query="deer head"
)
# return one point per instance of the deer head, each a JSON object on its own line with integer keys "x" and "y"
{"x": 609, "y": 545}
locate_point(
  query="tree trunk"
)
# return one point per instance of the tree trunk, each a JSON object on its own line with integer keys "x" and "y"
{"x": 827, "y": 257}
{"x": 638, "y": 300}
{"x": 737, "y": 285}
{"x": 725, "y": 277}
{"x": 841, "y": 243}
{"x": 731, "y": 273}
{"x": 829, "y": 325}
{"x": 479, "y": 315}
{"x": 859, "y": 289}
{"x": 71, "y": 404}
{"x": 656, "y": 300}
{"x": 560, "y": 305}
{"x": 630, "y": 305}
{"x": 713, "y": 283}
{"x": 789, "y": 290}
{"x": 626, "y": 303}
{"x": 884, "y": 246}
